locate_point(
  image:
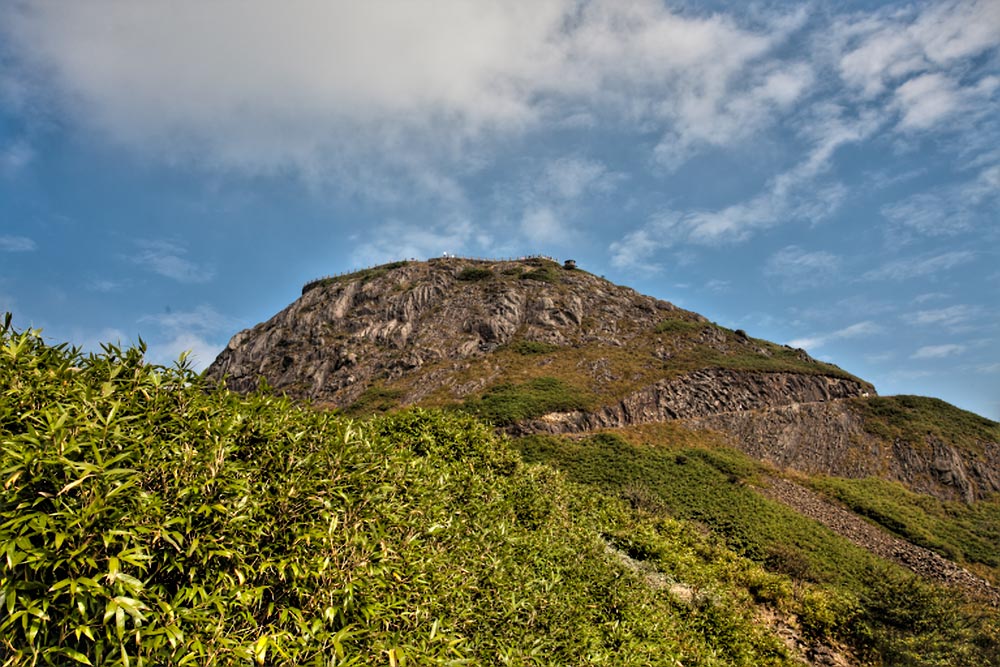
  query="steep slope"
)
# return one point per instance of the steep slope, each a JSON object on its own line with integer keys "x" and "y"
{"x": 929, "y": 445}
{"x": 443, "y": 330}
{"x": 539, "y": 348}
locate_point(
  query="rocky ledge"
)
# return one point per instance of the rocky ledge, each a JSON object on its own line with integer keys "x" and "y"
{"x": 698, "y": 394}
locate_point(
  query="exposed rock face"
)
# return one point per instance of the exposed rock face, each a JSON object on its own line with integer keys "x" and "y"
{"x": 830, "y": 438}
{"x": 417, "y": 328}
{"x": 701, "y": 393}
{"x": 330, "y": 344}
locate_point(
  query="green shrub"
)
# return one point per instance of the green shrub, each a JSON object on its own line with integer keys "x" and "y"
{"x": 530, "y": 347}
{"x": 507, "y": 404}
{"x": 545, "y": 274}
{"x": 146, "y": 519}
{"x": 474, "y": 274}
{"x": 375, "y": 399}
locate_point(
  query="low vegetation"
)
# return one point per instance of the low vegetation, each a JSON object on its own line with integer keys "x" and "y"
{"x": 890, "y": 616}
{"x": 375, "y": 399}
{"x": 364, "y": 275}
{"x": 531, "y": 347}
{"x": 918, "y": 419}
{"x": 507, "y": 404}
{"x": 545, "y": 274}
{"x": 474, "y": 274}
{"x": 965, "y": 533}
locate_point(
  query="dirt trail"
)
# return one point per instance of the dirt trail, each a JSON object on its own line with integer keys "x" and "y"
{"x": 922, "y": 561}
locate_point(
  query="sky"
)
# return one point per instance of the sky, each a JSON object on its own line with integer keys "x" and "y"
{"x": 821, "y": 174}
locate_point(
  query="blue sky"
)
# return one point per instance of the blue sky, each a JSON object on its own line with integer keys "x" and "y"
{"x": 822, "y": 174}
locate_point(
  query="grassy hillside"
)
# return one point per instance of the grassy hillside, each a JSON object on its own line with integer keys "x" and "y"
{"x": 888, "y": 615}
{"x": 917, "y": 419}
{"x": 146, "y": 519}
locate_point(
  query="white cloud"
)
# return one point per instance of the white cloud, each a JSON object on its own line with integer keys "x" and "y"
{"x": 798, "y": 268}
{"x": 397, "y": 239}
{"x": 201, "y": 331}
{"x": 923, "y": 265}
{"x": 930, "y": 296}
{"x": 542, "y": 226}
{"x": 204, "y": 319}
{"x": 104, "y": 285}
{"x": 200, "y": 351}
{"x": 952, "y": 317}
{"x": 168, "y": 259}
{"x": 895, "y": 43}
{"x": 857, "y": 330}
{"x": 571, "y": 178}
{"x": 717, "y": 285}
{"x": 635, "y": 250}
{"x": 938, "y": 351}
{"x": 988, "y": 368}
{"x": 793, "y": 195}
{"x": 314, "y": 86}
{"x": 929, "y": 215}
{"x": 15, "y": 156}
{"x": 927, "y": 99}
{"x": 16, "y": 244}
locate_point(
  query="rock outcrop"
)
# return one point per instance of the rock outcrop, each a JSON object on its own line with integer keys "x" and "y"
{"x": 831, "y": 438}
{"x": 699, "y": 394}
{"x": 427, "y": 318}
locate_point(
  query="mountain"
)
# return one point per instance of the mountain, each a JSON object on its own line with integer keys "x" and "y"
{"x": 539, "y": 347}
{"x": 627, "y": 505}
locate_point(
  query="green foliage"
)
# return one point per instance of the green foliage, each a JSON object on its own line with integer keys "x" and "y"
{"x": 375, "y": 398}
{"x": 737, "y": 351}
{"x": 967, "y": 533}
{"x": 148, "y": 520}
{"x": 842, "y": 592}
{"x": 507, "y": 404}
{"x": 916, "y": 419}
{"x": 704, "y": 485}
{"x": 531, "y": 347}
{"x": 903, "y": 620}
{"x": 545, "y": 274}
{"x": 474, "y": 274}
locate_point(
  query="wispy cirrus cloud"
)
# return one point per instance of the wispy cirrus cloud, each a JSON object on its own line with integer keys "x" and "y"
{"x": 17, "y": 244}
{"x": 394, "y": 238}
{"x": 885, "y": 48}
{"x": 797, "y": 269}
{"x": 922, "y": 265}
{"x": 938, "y": 351}
{"x": 796, "y": 194}
{"x": 15, "y": 156}
{"x": 947, "y": 210}
{"x": 857, "y": 330}
{"x": 169, "y": 260}
{"x": 953, "y": 318}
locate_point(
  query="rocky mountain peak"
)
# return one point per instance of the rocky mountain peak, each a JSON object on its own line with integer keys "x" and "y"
{"x": 427, "y": 326}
